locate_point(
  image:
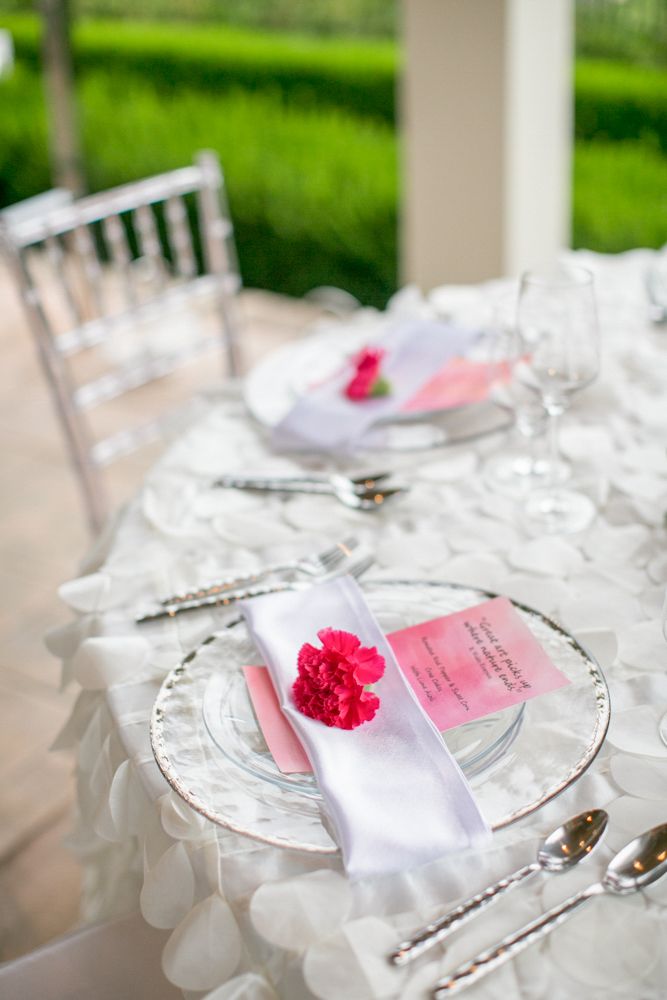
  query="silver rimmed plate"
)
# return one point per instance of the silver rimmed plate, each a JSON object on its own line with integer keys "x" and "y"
{"x": 516, "y": 761}
{"x": 273, "y": 386}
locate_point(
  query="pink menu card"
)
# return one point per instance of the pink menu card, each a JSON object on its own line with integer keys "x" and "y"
{"x": 459, "y": 382}
{"x": 461, "y": 667}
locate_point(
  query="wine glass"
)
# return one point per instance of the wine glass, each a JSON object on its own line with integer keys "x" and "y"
{"x": 522, "y": 465}
{"x": 557, "y": 321}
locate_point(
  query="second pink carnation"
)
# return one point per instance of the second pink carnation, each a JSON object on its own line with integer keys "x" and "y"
{"x": 367, "y": 380}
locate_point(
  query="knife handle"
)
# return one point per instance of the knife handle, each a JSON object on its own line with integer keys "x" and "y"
{"x": 229, "y": 585}
{"x": 435, "y": 932}
{"x": 272, "y": 485}
{"x": 224, "y": 600}
{"x": 493, "y": 958}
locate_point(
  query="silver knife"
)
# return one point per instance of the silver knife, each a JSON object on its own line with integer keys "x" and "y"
{"x": 214, "y": 600}
{"x": 355, "y": 566}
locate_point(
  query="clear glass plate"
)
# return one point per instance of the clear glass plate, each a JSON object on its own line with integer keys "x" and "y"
{"x": 273, "y": 386}
{"x": 232, "y": 725}
{"x": 515, "y": 761}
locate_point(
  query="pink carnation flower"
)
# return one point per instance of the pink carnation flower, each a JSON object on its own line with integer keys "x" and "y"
{"x": 367, "y": 373}
{"x": 316, "y": 703}
{"x": 356, "y": 706}
{"x": 331, "y": 683}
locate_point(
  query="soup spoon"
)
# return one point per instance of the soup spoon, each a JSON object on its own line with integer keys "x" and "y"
{"x": 638, "y": 864}
{"x": 562, "y": 849}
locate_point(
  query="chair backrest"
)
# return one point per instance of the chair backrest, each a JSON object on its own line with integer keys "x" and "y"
{"x": 103, "y": 279}
{"x": 35, "y": 207}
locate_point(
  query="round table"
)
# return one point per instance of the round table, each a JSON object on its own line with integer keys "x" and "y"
{"x": 252, "y": 921}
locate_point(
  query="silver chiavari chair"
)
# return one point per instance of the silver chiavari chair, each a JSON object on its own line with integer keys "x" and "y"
{"x": 101, "y": 268}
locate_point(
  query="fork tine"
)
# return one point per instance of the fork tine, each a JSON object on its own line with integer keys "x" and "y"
{"x": 331, "y": 559}
{"x": 360, "y": 567}
{"x": 370, "y": 477}
{"x": 386, "y": 491}
{"x": 373, "y": 499}
{"x": 345, "y": 543}
{"x": 390, "y": 491}
{"x": 341, "y": 550}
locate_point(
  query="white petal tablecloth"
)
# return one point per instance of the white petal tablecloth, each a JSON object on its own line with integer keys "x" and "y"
{"x": 256, "y": 922}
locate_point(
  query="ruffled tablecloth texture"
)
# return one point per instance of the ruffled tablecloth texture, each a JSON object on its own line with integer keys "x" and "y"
{"x": 255, "y": 922}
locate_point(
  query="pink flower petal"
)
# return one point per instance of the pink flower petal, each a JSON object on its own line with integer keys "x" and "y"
{"x": 367, "y": 370}
{"x": 338, "y": 641}
{"x": 368, "y": 665}
{"x": 356, "y": 708}
{"x": 308, "y": 655}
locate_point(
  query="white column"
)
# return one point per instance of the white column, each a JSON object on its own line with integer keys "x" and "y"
{"x": 486, "y": 132}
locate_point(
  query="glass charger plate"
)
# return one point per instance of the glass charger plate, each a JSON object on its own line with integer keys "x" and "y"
{"x": 273, "y": 386}
{"x": 232, "y": 725}
{"x": 516, "y": 760}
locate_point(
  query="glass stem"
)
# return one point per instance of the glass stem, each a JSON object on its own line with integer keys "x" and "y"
{"x": 536, "y": 451}
{"x": 554, "y": 451}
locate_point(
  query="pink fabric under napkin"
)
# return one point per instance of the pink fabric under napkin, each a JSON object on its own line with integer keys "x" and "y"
{"x": 324, "y": 419}
{"x": 393, "y": 793}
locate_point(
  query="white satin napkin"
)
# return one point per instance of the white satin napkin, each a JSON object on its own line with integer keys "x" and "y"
{"x": 393, "y": 793}
{"x": 324, "y": 419}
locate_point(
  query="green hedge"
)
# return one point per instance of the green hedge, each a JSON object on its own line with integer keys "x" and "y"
{"x": 348, "y": 73}
{"x": 24, "y": 167}
{"x": 620, "y": 196}
{"x": 614, "y": 101}
{"x": 618, "y": 102}
{"x": 630, "y": 32}
{"x": 313, "y": 194}
{"x": 359, "y": 18}
{"x": 313, "y": 187}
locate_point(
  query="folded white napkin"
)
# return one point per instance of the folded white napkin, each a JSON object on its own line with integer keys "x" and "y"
{"x": 324, "y": 419}
{"x": 393, "y": 793}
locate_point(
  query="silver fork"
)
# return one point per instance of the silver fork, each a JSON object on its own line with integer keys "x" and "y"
{"x": 314, "y": 565}
{"x": 355, "y": 564}
{"x": 370, "y": 499}
{"x": 357, "y": 484}
{"x": 360, "y": 496}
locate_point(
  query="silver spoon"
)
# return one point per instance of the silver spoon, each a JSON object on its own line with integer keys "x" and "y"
{"x": 638, "y": 864}
{"x": 559, "y": 851}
